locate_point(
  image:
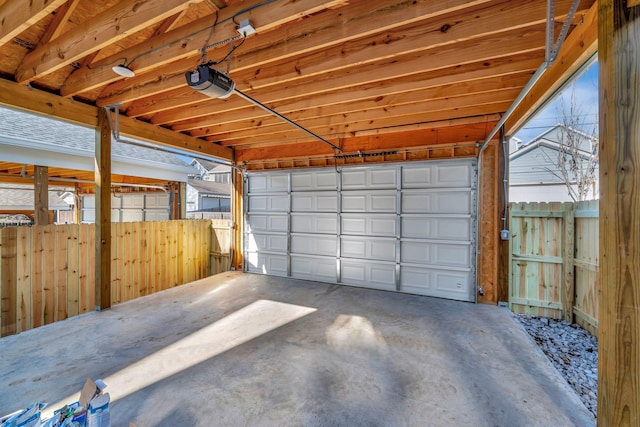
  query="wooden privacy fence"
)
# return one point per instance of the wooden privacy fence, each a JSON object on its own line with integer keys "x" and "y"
{"x": 47, "y": 272}
{"x": 553, "y": 267}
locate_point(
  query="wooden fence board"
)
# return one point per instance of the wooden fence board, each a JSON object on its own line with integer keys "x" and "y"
{"x": 48, "y": 259}
{"x": 47, "y": 272}
{"x": 37, "y": 266}
{"x": 586, "y": 263}
{"x": 8, "y": 281}
{"x": 73, "y": 270}
{"x": 86, "y": 255}
{"x": 554, "y": 259}
{"x": 24, "y": 320}
{"x": 61, "y": 266}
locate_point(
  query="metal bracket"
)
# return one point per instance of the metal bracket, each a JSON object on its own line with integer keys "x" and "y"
{"x": 553, "y": 47}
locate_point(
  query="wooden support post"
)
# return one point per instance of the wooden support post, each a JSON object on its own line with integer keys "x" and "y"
{"x": 237, "y": 219}
{"x": 41, "y": 195}
{"x": 103, "y": 212}
{"x": 503, "y": 245}
{"x": 182, "y": 200}
{"x": 619, "y": 310}
{"x": 489, "y": 224}
{"x": 76, "y": 205}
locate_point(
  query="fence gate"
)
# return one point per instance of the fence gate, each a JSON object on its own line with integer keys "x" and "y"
{"x": 554, "y": 260}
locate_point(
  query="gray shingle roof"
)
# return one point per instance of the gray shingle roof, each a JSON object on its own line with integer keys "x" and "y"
{"x": 20, "y": 197}
{"x": 52, "y": 133}
{"x": 210, "y": 187}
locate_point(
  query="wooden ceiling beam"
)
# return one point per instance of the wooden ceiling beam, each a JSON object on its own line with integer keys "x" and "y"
{"x": 406, "y": 140}
{"x": 326, "y": 29}
{"x": 210, "y": 112}
{"x": 303, "y": 38}
{"x": 344, "y": 113}
{"x": 113, "y": 24}
{"x": 37, "y": 101}
{"x": 341, "y": 131}
{"x": 365, "y": 120}
{"x": 578, "y": 47}
{"x": 420, "y": 38}
{"x": 337, "y": 27}
{"x": 474, "y": 51}
{"x": 18, "y": 15}
{"x": 187, "y": 40}
{"x": 57, "y": 25}
{"x": 322, "y": 52}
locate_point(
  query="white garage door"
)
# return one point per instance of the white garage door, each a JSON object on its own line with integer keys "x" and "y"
{"x": 407, "y": 228}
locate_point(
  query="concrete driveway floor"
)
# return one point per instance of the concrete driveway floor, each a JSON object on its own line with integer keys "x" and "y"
{"x": 239, "y": 349}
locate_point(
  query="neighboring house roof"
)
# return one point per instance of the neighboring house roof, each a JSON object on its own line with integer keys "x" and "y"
{"x": 554, "y": 134}
{"x": 535, "y": 161}
{"x": 206, "y": 166}
{"x": 20, "y": 197}
{"x": 33, "y": 139}
{"x": 210, "y": 187}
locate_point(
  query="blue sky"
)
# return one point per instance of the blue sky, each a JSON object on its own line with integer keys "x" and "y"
{"x": 585, "y": 90}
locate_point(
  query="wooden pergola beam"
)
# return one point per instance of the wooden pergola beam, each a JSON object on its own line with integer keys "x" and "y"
{"x": 186, "y": 41}
{"x": 18, "y": 15}
{"x": 59, "y": 21}
{"x": 113, "y": 24}
{"x": 193, "y": 111}
{"x": 364, "y": 60}
{"x": 619, "y": 309}
{"x": 288, "y": 137}
{"x": 363, "y": 111}
{"x": 37, "y": 101}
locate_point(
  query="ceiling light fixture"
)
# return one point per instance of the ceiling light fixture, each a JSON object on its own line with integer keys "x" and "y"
{"x": 123, "y": 70}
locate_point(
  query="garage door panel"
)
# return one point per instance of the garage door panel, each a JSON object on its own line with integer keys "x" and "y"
{"x": 368, "y": 274}
{"x": 369, "y": 225}
{"x": 313, "y": 244}
{"x": 443, "y": 254}
{"x": 269, "y": 223}
{"x": 452, "y": 174}
{"x": 369, "y": 178}
{"x": 133, "y": 215}
{"x": 450, "y": 201}
{"x": 376, "y": 249}
{"x": 268, "y": 183}
{"x": 314, "y": 268}
{"x": 362, "y": 227}
{"x": 314, "y": 180}
{"x": 267, "y": 242}
{"x": 314, "y": 223}
{"x": 322, "y": 201}
{"x": 381, "y": 201}
{"x": 269, "y": 203}
{"x": 440, "y": 283}
{"x": 264, "y": 263}
{"x": 423, "y": 227}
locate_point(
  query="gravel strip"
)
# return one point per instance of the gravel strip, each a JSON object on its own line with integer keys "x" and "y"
{"x": 571, "y": 349}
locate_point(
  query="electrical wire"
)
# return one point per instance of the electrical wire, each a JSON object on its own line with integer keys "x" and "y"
{"x": 233, "y": 49}
{"x": 210, "y": 28}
